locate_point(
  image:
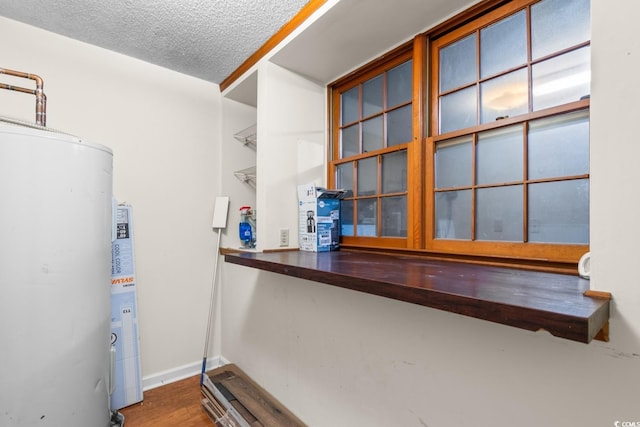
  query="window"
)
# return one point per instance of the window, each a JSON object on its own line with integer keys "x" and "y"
{"x": 505, "y": 162}
{"x": 374, "y": 129}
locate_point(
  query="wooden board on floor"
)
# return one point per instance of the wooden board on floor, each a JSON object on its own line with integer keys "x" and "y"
{"x": 219, "y": 415}
{"x": 253, "y": 403}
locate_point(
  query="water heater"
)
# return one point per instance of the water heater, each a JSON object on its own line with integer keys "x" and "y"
{"x": 55, "y": 270}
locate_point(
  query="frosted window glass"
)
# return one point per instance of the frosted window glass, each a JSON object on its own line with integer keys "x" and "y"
{"x": 346, "y": 217}
{"x": 453, "y": 163}
{"x": 458, "y": 64}
{"x": 505, "y": 96}
{"x": 367, "y": 217}
{"x": 559, "y": 146}
{"x": 458, "y": 110}
{"x": 503, "y": 45}
{"x": 558, "y": 24}
{"x": 559, "y": 212}
{"x": 563, "y": 79}
{"x": 400, "y": 84}
{"x": 349, "y": 105}
{"x": 349, "y": 141}
{"x": 368, "y": 176}
{"x": 453, "y": 215}
{"x": 394, "y": 216}
{"x": 344, "y": 178}
{"x": 372, "y": 96}
{"x": 399, "y": 126}
{"x": 394, "y": 172}
{"x": 499, "y": 156}
{"x": 499, "y": 214}
{"x": 372, "y": 134}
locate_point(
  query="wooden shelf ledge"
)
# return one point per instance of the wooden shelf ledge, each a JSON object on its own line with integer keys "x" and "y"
{"x": 524, "y": 299}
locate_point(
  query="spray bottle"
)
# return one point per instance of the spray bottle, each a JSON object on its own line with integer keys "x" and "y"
{"x": 247, "y": 227}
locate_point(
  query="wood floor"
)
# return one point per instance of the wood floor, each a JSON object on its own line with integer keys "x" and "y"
{"x": 172, "y": 405}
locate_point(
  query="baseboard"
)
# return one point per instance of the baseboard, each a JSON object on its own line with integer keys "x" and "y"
{"x": 181, "y": 372}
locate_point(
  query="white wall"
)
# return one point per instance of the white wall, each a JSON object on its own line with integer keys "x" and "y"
{"x": 291, "y": 148}
{"x": 615, "y": 175}
{"x": 336, "y": 357}
{"x": 164, "y": 129}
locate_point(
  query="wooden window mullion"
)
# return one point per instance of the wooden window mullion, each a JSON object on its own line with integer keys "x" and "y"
{"x": 416, "y": 163}
{"x": 525, "y": 184}
{"x": 474, "y": 186}
{"x": 478, "y": 75}
{"x": 529, "y": 60}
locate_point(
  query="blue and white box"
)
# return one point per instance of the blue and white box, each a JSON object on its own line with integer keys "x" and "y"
{"x": 127, "y": 373}
{"x": 318, "y": 218}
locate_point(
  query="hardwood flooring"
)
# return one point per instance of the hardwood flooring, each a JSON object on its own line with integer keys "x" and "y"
{"x": 172, "y": 405}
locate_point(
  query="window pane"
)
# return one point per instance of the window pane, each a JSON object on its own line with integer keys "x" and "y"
{"x": 458, "y": 64}
{"x": 559, "y": 146}
{"x": 368, "y": 176}
{"x": 558, "y": 24}
{"x": 458, "y": 110}
{"x": 372, "y": 134}
{"x": 346, "y": 218}
{"x": 499, "y": 214}
{"x": 349, "y": 141}
{"x": 499, "y": 156}
{"x": 344, "y": 178}
{"x": 453, "y": 215}
{"x": 400, "y": 84}
{"x": 394, "y": 172}
{"x": 372, "y": 96}
{"x": 505, "y": 96}
{"x": 367, "y": 217}
{"x": 349, "y": 105}
{"x": 559, "y": 212}
{"x": 563, "y": 79}
{"x": 503, "y": 45}
{"x": 394, "y": 216}
{"x": 453, "y": 163}
{"x": 399, "y": 126}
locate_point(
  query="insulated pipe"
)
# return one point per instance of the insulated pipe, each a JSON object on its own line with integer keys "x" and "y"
{"x": 41, "y": 98}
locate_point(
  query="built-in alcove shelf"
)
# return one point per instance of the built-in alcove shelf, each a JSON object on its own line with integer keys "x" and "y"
{"x": 524, "y": 299}
{"x": 248, "y": 138}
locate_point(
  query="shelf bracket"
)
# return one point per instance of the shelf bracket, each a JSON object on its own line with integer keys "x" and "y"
{"x": 248, "y": 137}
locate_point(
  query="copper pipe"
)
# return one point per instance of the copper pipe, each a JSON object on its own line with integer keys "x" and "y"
{"x": 41, "y": 98}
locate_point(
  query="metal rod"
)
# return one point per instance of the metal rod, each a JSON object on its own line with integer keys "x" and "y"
{"x": 41, "y": 98}
{"x": 211, "y": 307}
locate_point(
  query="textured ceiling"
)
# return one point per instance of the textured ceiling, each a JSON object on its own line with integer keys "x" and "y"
{"x": 207, "y": 39}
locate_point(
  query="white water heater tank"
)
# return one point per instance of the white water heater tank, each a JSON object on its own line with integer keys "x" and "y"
{"x": 55, "y": 271}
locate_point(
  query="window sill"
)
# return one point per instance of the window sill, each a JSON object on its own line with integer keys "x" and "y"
{"x": 524, "y": 299}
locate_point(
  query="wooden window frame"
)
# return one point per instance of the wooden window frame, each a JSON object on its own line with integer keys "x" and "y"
{"x": 414, "y": 191}
{"x": 420, "y": 152}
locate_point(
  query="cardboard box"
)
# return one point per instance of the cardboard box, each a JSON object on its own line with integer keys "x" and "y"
{"x": 318, "y": 218}
{"x": 127, "y": 375}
